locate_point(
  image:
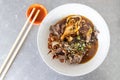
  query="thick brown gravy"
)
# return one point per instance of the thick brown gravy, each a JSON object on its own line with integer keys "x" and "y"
{"x": 91, "y": 53}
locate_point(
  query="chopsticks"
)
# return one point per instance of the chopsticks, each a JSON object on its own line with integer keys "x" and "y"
{"x": 17, "y": 45}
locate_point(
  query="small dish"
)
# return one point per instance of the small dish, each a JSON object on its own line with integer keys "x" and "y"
{"x": 103, "y": 39}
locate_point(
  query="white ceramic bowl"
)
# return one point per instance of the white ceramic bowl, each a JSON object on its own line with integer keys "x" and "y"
{"x": 56, "y": 15}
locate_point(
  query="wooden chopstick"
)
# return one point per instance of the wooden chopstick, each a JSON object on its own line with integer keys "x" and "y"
{"x": 20, "y": 44}
{"x": 15, "y": 43}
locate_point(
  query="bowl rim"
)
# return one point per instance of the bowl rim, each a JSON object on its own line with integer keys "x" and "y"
{"x": 83, "y": 63}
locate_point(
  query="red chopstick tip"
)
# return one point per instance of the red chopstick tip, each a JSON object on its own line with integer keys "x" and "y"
{"x": 41, "y": 15}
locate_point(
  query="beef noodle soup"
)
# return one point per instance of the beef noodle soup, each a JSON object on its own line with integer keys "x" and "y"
{"x": 73, "y": 39}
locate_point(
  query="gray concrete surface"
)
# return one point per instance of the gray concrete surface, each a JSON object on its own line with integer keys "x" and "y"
{"x": 29, "y": 66}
